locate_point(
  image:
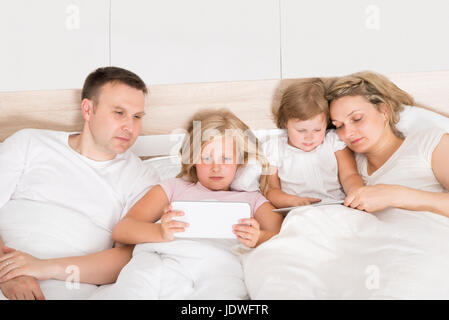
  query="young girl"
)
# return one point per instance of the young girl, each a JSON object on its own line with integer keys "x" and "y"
{"x": 309, "y": 164}
{"x": 168, "y": 268}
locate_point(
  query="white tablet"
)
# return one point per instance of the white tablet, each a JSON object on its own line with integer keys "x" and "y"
{"x": 284, "y": 211}
{"x": 210, "y": 219}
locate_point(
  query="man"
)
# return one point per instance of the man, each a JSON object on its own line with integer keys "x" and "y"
{"x": 62, "y": 193}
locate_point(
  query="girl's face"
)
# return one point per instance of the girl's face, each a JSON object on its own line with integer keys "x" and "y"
{"x": 358, "y": 123}
{"x": 217, "y": 166}
{"x": 307, "y": 134}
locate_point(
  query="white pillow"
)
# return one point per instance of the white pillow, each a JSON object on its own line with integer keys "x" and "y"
{"x": 246, "y": 178}
{"x": 167, "y": 167}
{"x": 415, "y": 118}
{"x": 411, "y": 119}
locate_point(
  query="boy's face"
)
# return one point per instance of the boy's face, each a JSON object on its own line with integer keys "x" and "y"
{"x": 116, "y": 120}
{"x": 217, "y": 166}
{"x": 308, "y": 134}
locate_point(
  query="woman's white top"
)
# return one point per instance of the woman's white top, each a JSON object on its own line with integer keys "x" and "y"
{"x": 410, "y": 165}
{"x": 307, "y": 174}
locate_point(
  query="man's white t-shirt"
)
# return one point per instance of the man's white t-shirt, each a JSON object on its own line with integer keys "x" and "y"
{"x": 307, "y": 174}
{"x": 40, "y": 172}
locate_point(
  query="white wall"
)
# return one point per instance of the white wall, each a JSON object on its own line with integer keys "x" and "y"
{"x": 51, "y": 44}
{"x": 54, "y": 44}
{"x": 332, "y": 38}
{"x": 176, "y": 41}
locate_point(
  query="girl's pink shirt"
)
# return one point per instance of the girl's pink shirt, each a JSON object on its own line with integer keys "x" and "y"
{"x": 178, "y": 189}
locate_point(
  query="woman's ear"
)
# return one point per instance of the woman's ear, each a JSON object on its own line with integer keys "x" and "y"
{"x": 385, "y": 110}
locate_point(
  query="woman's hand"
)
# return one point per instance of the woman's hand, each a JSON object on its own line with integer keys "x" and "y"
{"x": 17, "y": 263}
{"x": 373, "y": 198}
{"x": 169, "y": 226}
{"x": 247, "y": 232}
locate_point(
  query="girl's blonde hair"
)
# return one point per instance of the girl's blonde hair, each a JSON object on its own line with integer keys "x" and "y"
{"x": 209, "y": 124}
{"x": 376, "y": 89}
{"x": 302, "y": 100}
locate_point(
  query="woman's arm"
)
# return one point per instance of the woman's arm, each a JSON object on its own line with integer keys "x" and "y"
{"x": 348, "y": 175}
{"x": 378, "y": 197}
{"x": 97, "y": 268}
{"x": 436, "y": 202}
{"x": 279, "y": 198}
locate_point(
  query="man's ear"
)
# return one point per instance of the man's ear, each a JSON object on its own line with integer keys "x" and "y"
{"x": 87, "y": 108}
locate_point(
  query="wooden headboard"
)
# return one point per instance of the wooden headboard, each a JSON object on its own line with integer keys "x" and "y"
{"x": 170, "y": 106}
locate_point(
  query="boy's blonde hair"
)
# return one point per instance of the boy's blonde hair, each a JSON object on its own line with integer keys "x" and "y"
{"x": 302, "y": 100}
{"x": 376, "y": 89}
{"x": 209, "y": 124}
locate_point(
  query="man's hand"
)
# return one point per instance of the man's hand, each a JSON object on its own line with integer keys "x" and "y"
{"x": 22, "y": 288}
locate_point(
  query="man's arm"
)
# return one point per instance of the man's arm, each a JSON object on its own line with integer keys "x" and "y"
{"x": 20, "y": 288}
{"x": 12, "y": 162}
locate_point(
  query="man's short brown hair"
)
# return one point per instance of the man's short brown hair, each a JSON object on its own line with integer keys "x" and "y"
{"x": 96, "y": 79}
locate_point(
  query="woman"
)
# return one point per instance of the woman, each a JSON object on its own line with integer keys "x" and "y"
{"x": 401, "y": 250}
{"x": 410, "y": 172}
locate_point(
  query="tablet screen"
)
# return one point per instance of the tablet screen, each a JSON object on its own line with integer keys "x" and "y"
{"x": 210, "y": 219}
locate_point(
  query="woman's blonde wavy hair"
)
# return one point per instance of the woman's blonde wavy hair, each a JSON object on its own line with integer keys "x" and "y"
{"x": 376, "y": 89}
{"x": 209, "y": 124}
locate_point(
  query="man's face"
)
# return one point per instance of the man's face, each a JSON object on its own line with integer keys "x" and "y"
{"x": 116, "y": 120}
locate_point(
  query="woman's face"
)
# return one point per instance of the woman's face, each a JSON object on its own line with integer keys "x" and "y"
{"x": 358, "y": 123}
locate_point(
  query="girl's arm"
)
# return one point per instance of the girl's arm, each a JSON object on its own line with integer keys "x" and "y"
{"x": 265, "y": 224}
{"x": 270, "y": 222}
{"x": 348, "y": 175}
{"x": 139, "y": 225}
{"x": 279, "y": 198}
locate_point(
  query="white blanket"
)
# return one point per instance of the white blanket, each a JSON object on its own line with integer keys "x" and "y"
{"x": 47, "y": 231}
{"x": 180, "y": 269}
{"x": 335, "y": 252}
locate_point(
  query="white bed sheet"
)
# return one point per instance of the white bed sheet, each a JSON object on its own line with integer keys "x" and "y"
{"x": 335, "y": 252}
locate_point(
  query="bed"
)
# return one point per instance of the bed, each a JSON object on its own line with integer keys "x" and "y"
{"x": 300, "y": 262}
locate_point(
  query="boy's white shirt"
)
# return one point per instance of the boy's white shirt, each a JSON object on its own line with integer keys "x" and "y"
{"x": 307, "y": 174}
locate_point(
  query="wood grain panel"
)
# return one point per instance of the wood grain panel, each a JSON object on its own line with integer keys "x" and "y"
{"x": 169, "y": 107}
